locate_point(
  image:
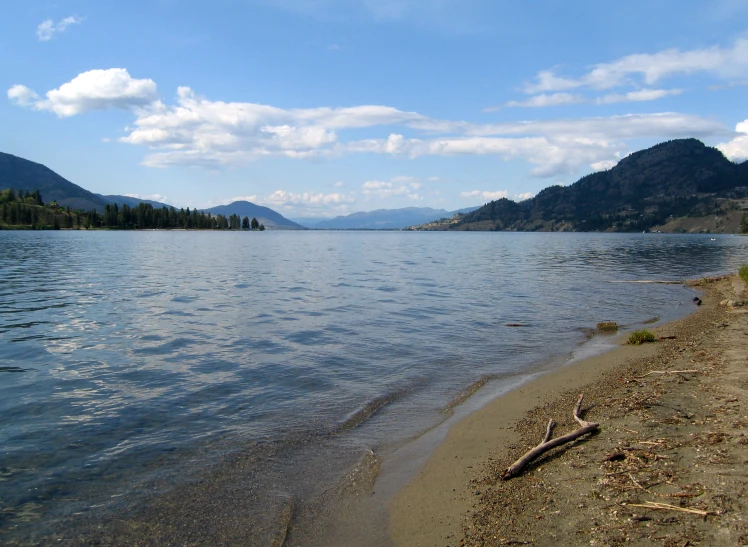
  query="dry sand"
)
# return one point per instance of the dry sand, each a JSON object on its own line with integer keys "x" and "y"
{"x": 679, "y": 439}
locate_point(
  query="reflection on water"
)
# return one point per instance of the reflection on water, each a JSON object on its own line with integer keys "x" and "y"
{"x": 129, "y": 360}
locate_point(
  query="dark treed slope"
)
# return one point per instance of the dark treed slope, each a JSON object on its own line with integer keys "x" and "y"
{"x": 386, "y": 219}
{"x": 21, "y": 174}
{"x": 676, "y": 178}
{"x": 266, "y": 216}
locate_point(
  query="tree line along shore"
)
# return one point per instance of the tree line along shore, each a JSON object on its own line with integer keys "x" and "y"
{"x": 25, "y": 210}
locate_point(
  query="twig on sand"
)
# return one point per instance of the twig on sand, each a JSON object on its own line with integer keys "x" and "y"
{"x": 692, "y": 371}
{"x": 636, "y": 483}
{"x": 668, "y": 507}
{"x": 547, "y": 444}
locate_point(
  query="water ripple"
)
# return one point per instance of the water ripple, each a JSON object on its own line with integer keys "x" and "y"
{"x": 124, "y": 353}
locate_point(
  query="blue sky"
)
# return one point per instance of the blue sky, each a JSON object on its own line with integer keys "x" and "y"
{"x": 326, "y": 107}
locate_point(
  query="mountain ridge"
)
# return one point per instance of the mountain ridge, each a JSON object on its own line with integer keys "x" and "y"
{"x": 22, "y": 174}
{"x": 677, "y": 178}
{"x": 264, "y": 215}
{"x": 385, "y": 219}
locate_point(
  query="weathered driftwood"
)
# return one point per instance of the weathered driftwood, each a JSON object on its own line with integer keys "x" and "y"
{"x": 670, "y": 372}
{"x": 668, "y": 507}
{"x": 547, "y": 444}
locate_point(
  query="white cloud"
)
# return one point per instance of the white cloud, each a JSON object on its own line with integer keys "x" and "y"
{"x": 557, "y": 99}
{"x": 636, "y": 96}
{"x": 199, "y": 132}
{"x": 737, "y": 149}
{"x": 398, "y": 186}
{"x": 47, "y": 29}
{"x": 556, "y": 147}
{"x": 603, "y": 165}
{"x": 299, "y": 204}
{"x": 202, "y": 132}
{"x": 726, "y": 62}
{"x": 282, "y": 197}
{"x": 92, "y": 90}
{"x": 485, "y": 195}
{"x": 22, "y": 96}
{"x": 524, "y": 196}
{"x": 149, "y": 197}
{"x": 543, "y": 100}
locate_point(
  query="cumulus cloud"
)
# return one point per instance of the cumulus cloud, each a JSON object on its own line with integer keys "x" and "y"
{"x": 557, "y": 99}
{"x": 150, "y": 197}
{"x": 640, "y": 95}
{"x": 202, "y": 132}
{"x": 543, "y": 100}
{"x": 524, "y": 196}
{"x": 727, "y": 62}
{"x": 47, "y": 29}
{"x": 398, "y": 186}
{"x": 281, "y": 197}
{"x": 737, "y": 149}
{"x": 22, "y": 96}
{"x": 603, "y": 165}
{"x": 485, "y": 195}
{"x": 92, "y": 90}
{"x": 196, "y": 131}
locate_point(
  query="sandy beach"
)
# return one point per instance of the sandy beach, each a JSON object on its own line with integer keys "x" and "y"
{"x": 667, "y": 466}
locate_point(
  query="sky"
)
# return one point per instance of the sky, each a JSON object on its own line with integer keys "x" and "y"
{"x": 318, "y": 108}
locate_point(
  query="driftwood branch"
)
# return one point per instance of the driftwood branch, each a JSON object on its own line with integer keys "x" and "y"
{"x": 668, "y": 507}
{"x": 547, "y": 444}
{"x": 670, "y": 372}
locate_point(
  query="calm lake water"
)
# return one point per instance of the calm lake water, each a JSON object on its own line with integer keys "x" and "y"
{"x": 147, "y": 373}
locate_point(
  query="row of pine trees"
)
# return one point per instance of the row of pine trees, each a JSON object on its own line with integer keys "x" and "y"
{"x": 26, "y": 209}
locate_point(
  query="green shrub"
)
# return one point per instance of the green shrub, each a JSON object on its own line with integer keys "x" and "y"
{"x": 640, "y": 337}
{"x": 743, "y": 271}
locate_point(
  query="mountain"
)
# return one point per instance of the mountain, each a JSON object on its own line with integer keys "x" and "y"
{"x": 679, "y": 178}
{"x": 265, "y": 216}
{"x": 386, "y": 219}
{"x": 21, "y": 174}
{"x": 133, "y": 202}
{"x": 308, "y": 222}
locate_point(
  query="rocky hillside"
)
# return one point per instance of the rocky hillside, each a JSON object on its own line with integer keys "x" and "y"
{"x": 680, "y": 178}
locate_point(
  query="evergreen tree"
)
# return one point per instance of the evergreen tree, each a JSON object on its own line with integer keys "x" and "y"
{"x": 245, "y": 223}
{"x": 255, "y": 224}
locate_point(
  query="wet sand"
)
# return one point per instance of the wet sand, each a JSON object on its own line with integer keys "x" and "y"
{"x": 672, "y": 438}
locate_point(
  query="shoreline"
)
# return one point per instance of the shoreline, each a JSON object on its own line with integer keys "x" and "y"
{"x": 456, "y": 493}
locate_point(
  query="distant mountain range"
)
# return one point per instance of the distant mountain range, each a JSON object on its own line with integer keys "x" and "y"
{"x": 382, "y": 219}
{"x": 22, "y": 174}
{"x": 647, "y": 190}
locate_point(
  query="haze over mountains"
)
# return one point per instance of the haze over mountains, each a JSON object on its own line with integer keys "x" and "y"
{"x": 382, "y": 219}
{"x": 21, "y": 174}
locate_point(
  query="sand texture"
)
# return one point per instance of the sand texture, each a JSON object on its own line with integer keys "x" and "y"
{"x": 667, "y": 467}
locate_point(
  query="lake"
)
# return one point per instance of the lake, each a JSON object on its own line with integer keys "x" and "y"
{"x": 174, "y": 384}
